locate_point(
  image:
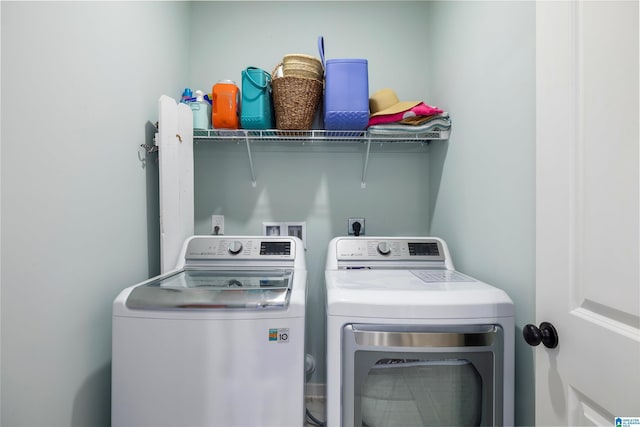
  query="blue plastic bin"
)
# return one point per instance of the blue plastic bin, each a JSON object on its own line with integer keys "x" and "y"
{"x": 346, "y": 96}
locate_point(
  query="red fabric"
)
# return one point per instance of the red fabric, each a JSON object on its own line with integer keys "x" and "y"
{"x": 421, "y": 109}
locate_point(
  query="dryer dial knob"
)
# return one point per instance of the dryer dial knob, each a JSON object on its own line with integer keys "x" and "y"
{"x": 235, "y": 247}
{"x": 384, "y": 248}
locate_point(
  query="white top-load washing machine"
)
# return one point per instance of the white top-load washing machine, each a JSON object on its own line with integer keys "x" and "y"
{"x": 411, "y": 341}
{"x": 219, "y": 341}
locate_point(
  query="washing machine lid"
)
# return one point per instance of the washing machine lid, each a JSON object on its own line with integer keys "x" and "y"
{"x": 421, "y": 280}
{"x": 215, "y": 289}
{"x": 413, "y": 293}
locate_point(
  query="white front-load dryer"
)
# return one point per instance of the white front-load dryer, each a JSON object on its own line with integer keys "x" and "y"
{"x": 219, "y": 341}
{"x": 411, "y": 341}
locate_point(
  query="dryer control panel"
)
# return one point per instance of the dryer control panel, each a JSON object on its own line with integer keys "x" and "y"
{"x": 392, "y": 249}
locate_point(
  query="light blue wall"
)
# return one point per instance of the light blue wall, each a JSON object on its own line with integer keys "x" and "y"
{"x": 483, "y": 179}
{"x": 227, "y": 37}
{"x": 71, "y": 174}
{"x": 80, "y": 83}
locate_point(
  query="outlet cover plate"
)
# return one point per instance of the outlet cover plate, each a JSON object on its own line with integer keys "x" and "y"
{"x": 217, "y": 221}
{"x": 350, "y": 226}
{"x": 281, "y": 228}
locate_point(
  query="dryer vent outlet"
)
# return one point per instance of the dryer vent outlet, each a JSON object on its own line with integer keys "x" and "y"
{"x": 355, "y": 227}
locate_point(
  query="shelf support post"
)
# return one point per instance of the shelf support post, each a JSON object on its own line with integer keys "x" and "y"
{"x": 253, "y": 172}
{"x": 363, "y": 184}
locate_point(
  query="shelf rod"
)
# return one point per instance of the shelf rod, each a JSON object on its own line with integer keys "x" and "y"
{"x": 363, "y": 184}
{"x": 253, "y": 172}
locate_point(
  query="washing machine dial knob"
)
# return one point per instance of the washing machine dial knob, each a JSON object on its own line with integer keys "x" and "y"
{"x": 235, "y": 247}
{"x": 384, "y": 248}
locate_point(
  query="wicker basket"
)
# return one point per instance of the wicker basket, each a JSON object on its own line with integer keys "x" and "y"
{"x": 295, "y": 101}
{"x": 298, "y": 65}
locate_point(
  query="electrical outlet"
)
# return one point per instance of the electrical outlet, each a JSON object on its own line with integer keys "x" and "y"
{"x": 217, "y": 224}
{"x": 350, "y": 224}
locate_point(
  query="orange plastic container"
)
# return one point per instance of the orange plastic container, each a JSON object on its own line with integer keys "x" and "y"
{"x": 224, "y": 105}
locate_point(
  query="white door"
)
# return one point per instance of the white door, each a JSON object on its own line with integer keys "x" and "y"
{"x": 587, "y": 201}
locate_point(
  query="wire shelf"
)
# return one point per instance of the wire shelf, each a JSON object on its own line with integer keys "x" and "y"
{"x": 317, "y": 136}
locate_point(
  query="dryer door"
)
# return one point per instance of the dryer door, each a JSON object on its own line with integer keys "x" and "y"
{"x": 396, "y": 375}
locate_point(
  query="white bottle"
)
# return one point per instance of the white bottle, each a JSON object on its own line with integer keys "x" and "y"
{"x": 201, "y": 112}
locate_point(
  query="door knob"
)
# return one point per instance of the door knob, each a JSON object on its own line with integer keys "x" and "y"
{"x": 545, "y": 334}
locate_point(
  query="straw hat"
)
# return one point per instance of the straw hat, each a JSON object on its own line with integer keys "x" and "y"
{"x": 385, "y": 101}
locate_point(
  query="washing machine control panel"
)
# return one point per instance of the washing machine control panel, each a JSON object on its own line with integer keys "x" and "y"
{"x": 374, "y": 249}
{"x": 218, "y": 247}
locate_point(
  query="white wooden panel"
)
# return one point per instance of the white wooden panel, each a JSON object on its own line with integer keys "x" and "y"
{"x": 607, "y": 157}
{"x": 585, "y": 412}
{"x": 587, "y": 211}
{"x": 175, "y": 154}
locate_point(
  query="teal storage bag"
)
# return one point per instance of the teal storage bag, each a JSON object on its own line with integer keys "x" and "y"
{"x": 257, "y": 107}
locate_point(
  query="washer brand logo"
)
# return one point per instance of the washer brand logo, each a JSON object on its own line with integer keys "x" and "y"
{"x": 279, "y": 335}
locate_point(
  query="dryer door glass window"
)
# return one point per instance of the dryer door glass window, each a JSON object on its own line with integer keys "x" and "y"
{"x": 421, "y": 392}
{"x": 417, "y": 377}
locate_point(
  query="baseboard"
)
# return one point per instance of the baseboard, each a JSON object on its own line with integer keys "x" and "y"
{"x": 315, "y": 391}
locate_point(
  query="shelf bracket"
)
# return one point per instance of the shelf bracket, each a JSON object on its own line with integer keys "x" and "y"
{"x": 253, "y": 172}
{"x": 363, "y": 184}
{"x": 318, "y": 136}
